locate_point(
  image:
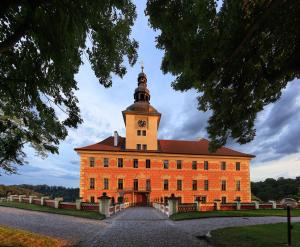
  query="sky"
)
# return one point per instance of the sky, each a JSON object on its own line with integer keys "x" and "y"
{"x": 276, "y": 145}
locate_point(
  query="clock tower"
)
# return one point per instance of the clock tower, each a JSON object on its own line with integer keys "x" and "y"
{"x": 141, "y": 119}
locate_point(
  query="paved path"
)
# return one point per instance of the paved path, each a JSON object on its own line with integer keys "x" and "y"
{"x": 131, "y": 227}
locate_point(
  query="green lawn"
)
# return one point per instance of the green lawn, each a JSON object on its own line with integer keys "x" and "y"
{"x": 271, "y": 235}
{"x": 76, "y": 213}
{"x": 241, "y": 213}
{"x": 10, "y": 237}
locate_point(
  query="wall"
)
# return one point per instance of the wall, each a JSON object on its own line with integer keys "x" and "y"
{"x": 157, "y": 174}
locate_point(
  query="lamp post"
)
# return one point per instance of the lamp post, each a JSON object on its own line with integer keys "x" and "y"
{"x": 289, "y": 203}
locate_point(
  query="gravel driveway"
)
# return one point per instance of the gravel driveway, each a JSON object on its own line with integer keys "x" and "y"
{"x": 132, "y": 227}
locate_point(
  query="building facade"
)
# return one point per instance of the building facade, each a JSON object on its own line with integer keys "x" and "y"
{"x": 140, "y": 168}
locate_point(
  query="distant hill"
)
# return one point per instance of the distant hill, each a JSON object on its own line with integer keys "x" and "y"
{"x": 69, "y": 194}
{"x": 272, "y": 189}
{"x": 16, "y": 190}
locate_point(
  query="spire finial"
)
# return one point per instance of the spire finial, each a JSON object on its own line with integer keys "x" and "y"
{"x": 142, "y": 65}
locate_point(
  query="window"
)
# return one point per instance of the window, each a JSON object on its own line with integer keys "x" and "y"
{"x": 148, "y": 184}
{"x": 106, "y": 184}
{"x": 138, "y": 146}
{"x": 238, "y": 198}
{"x": 92, "y": 200}
{"x": 223, "y": 165}
{"x": 120, "y": 162}
{"x": 238, "y": 166}
{"x": 223, "y": 185}
{"x": 223, "y": 199}
{"x": 144, "y": 132}
{"x": 138, "y": 132}
{"x": 179, "y": 164}
{"x": 206, "y": 185}
{"x": 166, "y": 164}
{"x": 148, "y": 163}
{"x": 166, "y": 184}
{"x": 238, "y": 185}
{"x": 120, "y": 184}
{"x": 92, "y": 183}
{"x": 92, "y": 161}
{"x": 179, "y": 184}
{"x": 105, "y": 162}
{"x": 205, "y": 165}
{"x": 203, "y": 199}
{"x": 135, "y": 163}
{"x": 194, "y": 165}
{"x": 144, "y": 146}
{"x": 194, "y": 184}
{"x": 135, "y": 184}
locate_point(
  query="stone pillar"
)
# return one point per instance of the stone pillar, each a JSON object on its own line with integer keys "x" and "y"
{"x": 238, "y": 205}
{"x": 43, "y": 198}
{"x": 273, "y": 204}
{"x": 11, "y": 197}
{"x": 31, "y": 199}
{"x": 104, "y": 202}
{"x": 57, "y": 200}
{"x": 173, "y": 204}
{"x": 217, "y": 204}
{"x": 21, "y": 197}
{"x": 78, "y": 203}
{"x": 256, "y": 203}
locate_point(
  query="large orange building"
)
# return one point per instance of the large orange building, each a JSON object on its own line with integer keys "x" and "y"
{"x": 140, "y": 168}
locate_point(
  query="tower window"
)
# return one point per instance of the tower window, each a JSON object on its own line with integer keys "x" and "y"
{"x": 238, "y": 166}
{"x": 206, "y": 185}
{"x": 92, "y": 161}
{"x": 223, "y": 185}
{"x": 135, "y": 163}
{"x": 179, "y": 164}
{"x": 148, "y": 184}
{"x": 92, "y": 183}
{"x": 148, "y": 163}
{"x": 92, "y": 200}
{"x": 166, "y": 164}
{"x": 144, "y": 146}
{"x": 223, "y": 165}
{"x": 223, "y": 199}
{"x": 194, "y": 165}
{"x": 105, "y": 162}
{"x": 106, "y": 184}
{"x": 120, "y": 162}
{"x": 238, "y": 185}
{"x": 166, "y": 184}
{"x": 194, "y": 185}
{"x": 179, "y": 184}
{"x": 120, "y": 184}
{"x": 144, "y": 132}
{"x": 205, "y": 165}
{"x": 138, "y": 146}
{"x": 135, "y": 184}
{"x": 138, "y": 132}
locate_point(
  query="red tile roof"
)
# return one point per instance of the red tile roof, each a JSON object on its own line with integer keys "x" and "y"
{"x": 199, "y": 147}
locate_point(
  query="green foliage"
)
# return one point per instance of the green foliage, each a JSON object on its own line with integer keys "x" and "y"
{"x": 6, "y": 190}
{"x": 239, "y": 59}
{"x": 41, "y": 45}
{"x": 272, "y": 189}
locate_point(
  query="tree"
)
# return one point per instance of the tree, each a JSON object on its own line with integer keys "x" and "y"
{"x": 41, "y": 45}
{"x": 238, "y": 58}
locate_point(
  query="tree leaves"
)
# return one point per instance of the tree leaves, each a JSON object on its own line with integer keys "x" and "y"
{"x": 38, "y": 61}
{"x": 239, "y": 58}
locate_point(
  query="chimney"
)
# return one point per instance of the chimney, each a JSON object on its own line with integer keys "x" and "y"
{"x": 116, "y": 138}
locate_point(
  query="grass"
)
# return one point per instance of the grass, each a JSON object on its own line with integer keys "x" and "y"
{"x": 10, "y": 237}
{"x": 258, "y": 236}
{"x": 241, "y": 213}
{"x": 33, "y": 207}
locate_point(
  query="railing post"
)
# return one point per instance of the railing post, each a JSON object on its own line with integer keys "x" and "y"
{"x": 217, "y": 204}
{"x": 238, "y": 205}
{"x": 173, "y": 204}
{"x": 57, "y": 200}
{"x": 43, "y": 198}
{"x": 21, "y": 197}
{"x": 256, "y": 204}
{"x": 273, "y": 204}
{"x": 104, "y": 202}
{"x": 78, "y": 204}
{"x": 31, "y": 199}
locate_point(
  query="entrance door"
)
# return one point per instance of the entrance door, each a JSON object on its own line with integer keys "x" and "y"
{"x": 141, "y": 199}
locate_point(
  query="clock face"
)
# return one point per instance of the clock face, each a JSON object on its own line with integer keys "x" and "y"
{"x": 142, "y": 123}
